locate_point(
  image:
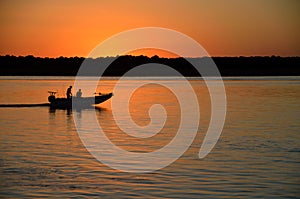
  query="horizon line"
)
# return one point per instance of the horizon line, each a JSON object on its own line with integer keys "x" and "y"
{"x": 237, "y": 56}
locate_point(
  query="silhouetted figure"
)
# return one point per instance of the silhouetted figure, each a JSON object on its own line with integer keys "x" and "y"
{"x": 79, "y": 93}
{"x": 69, "y": 92}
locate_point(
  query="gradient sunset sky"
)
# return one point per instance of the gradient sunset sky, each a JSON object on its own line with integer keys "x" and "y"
{"x": 223, "y": 27}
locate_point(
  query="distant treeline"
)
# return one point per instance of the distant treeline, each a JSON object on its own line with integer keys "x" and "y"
{"x": 228, "y": 66}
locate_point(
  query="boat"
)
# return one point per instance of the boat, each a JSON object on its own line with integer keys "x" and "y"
{"x": 77, "y": 102}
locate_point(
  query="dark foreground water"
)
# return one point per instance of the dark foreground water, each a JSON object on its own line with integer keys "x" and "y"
{"x": 257, "y": 155}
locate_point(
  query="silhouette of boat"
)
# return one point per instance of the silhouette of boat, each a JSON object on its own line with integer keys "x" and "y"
{"x": 78, "y": 102}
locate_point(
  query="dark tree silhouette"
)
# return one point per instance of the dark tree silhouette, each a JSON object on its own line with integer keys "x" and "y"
{"x": 228, "y": 66}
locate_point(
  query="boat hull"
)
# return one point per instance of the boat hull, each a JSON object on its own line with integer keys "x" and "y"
{"x": 79, "y": 102}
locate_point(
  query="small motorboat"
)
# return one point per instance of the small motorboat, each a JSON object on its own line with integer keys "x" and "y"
{"x": 78, "y": 102}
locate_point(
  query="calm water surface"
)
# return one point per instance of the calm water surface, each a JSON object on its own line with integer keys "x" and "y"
{"x": 257, "y": 156}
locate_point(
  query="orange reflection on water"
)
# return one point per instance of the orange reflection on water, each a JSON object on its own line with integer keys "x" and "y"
{"x": 258, "y": 151}
{"x": 140, "y": 103}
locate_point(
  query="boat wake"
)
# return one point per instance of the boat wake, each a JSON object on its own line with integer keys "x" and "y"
{"x": 24, "y": 105}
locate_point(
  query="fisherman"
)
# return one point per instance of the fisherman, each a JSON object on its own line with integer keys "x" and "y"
{"x": 79, "y": 93}
{"x": 69, "y": 92}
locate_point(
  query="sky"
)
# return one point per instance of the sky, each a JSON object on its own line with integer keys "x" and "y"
{"x": 223, "y": 27}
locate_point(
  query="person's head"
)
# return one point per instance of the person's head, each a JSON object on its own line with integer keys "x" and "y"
{"x": 70, "y": 86}
{"x": 79, "y": 89}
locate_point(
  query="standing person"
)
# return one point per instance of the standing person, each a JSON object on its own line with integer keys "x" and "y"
{"x": 79, "y": 93}
{"x": 69, "y": 92}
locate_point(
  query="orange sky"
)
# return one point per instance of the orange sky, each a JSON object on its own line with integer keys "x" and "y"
{"x": 224, "y": 28}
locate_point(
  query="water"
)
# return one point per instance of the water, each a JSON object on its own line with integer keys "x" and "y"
{"x": 257, "y": 155}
